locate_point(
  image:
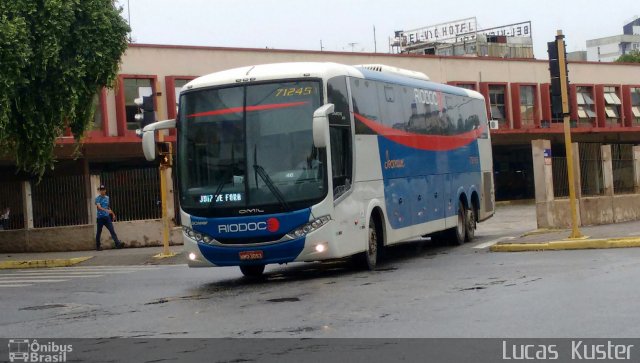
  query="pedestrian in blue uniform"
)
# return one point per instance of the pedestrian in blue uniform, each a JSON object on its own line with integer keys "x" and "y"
{"x": 105, "y": 215}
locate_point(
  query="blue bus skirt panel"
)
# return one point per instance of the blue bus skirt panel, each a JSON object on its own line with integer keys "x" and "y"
{"x": 282, "y": 252}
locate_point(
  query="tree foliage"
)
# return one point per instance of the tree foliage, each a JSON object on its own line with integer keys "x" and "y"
{"x": 54, "y": 57}
{"x": 631, "y": 57}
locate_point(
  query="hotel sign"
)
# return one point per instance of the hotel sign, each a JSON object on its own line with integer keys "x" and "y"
{"x": 460, "y": 30}
{"x": 512, "y": 30}
{"x": 445, "y": 32}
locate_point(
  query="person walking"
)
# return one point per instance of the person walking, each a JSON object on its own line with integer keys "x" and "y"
{"x": 105, "y": 217}
{"x": 4, "y": 219}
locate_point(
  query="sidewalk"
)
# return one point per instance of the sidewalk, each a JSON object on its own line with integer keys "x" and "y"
{"x": 618, "y": 235}
{"x": 111, "y": 257}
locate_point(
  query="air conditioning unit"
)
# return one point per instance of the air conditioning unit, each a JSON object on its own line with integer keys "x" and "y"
{"x": 493, "y": 124}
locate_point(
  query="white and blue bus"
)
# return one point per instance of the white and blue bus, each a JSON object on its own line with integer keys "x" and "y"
{"x": 288, "y": 162}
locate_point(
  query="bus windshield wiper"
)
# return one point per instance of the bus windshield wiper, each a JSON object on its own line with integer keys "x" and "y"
{"x": 219, "y": 188}
{"x": 274, "y": 190}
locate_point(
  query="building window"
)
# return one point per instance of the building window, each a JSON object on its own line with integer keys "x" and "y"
{"x": 173, "y": 86}
{"x": 612, "y": 106}
{"x": 635, "y": 106}
{"x": 527, "y": 105}
{"x": 134, "y": 88}
{"x": 470, "y": 86}
{"x": 586, "y": 107}
{"x": 497, "y": 101}
{"x": 177, "y": 86}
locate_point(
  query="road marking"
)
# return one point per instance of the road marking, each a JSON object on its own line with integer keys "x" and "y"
{"x": 29, "y": 277}
{"x": 492, "y": 242}
{"x": 16, "y": 285}
{"x": 47, "y": 276}
{"x": 79, "y": 271}
{"x": 35, "y": 280}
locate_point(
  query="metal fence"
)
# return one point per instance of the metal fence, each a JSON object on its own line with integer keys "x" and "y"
{"x": 560, "y": 177}
{"x": 60, "y": 201}
{"x": 591, "y": 178}
{"x": 622, "y": 163}
{"x": 11, "y": 197}
{"x": 134, "y": 193}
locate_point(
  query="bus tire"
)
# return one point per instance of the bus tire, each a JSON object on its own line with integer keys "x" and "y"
{"x": 368, "y": 260}
{"x": 457, "y": 235}
{"x": 252, "y": 271}
{"x": 471, "y": 224}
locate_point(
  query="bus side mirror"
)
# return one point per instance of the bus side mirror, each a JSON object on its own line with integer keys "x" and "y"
{"x": 321, "y": 125}
{"x": 149, "y": 145}
{"x": 149, "y": 137}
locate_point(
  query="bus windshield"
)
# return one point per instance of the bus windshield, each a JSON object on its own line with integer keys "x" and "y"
{"x": 249, "y": 147}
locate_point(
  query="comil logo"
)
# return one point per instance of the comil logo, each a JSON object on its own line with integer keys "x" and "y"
{"x": 24, "y": 350}
{"x": 272, "y": 225}
{"x": 393, "y": 163}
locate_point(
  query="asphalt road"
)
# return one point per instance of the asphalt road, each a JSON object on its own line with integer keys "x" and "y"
{"x": 422, "y": 290}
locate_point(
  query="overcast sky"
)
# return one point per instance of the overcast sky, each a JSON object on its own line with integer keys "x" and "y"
{"x": 302, "y": 24}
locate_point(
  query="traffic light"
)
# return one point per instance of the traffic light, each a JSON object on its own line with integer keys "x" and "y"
{"x": 559, "y": 77}
{"x": 147, "y": 113}
{"x": 165, "y": 150}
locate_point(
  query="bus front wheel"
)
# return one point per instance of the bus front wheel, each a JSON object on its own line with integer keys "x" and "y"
{"x": 252, "y": 270}
{"x": 368, "y": 260}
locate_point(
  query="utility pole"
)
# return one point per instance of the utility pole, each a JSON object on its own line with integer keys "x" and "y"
{"x": 321, "y": 47}
{"x": 375, "y": 43}
{"x": 129, "y": 17}
{"x": 352, "y": 45}
{"x": 560, "y": 106}
{"x": 166, "y": 162}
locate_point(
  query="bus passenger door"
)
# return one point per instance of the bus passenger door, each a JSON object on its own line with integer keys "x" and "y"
{"x": 341, "y": 136}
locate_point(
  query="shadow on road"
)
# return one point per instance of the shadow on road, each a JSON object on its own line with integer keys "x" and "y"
{"x": 319, "y": 270}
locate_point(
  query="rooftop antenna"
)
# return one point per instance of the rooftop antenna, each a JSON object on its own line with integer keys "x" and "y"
{"x": 129, "y": 21}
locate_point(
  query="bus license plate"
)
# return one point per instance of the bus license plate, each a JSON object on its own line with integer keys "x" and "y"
{"x": 251, "y": 255}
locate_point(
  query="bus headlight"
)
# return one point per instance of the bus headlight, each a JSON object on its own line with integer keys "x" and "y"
{"x": 198, "y": 236}
{"x": 308, "y": 228}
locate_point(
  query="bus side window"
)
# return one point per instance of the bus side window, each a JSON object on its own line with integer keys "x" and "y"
{"x": 340, "y": 135}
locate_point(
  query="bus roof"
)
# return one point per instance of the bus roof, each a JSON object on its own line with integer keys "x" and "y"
{"x": 301, "y": 70}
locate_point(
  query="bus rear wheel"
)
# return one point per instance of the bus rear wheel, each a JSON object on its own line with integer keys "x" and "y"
{"x": 471, "y": 224}
{"x": 252, "y": 271}
{"x": 458, "y": 234}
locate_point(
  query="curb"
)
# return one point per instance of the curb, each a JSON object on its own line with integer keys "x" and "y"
{"x": 540, "y": 231}
{"x": 63, "y": 262}
{"x": 516, "y": 202}
{"x": 568, "y": 245}
{"x": 161, "y": 255}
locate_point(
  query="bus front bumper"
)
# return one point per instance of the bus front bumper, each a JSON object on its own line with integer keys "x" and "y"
{"x": 314, "y": 246}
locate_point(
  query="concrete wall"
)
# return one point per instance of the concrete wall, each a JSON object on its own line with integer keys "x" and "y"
{"x": 82, "y": 238}
{"x": 593, "y": 210}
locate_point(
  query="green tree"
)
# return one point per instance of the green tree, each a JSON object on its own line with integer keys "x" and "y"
{"x": 631, "y": 57}
{"x": 54, "y": 57}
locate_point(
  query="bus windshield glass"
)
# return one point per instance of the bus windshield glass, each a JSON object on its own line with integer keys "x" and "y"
{"x": 250, "y": 147}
